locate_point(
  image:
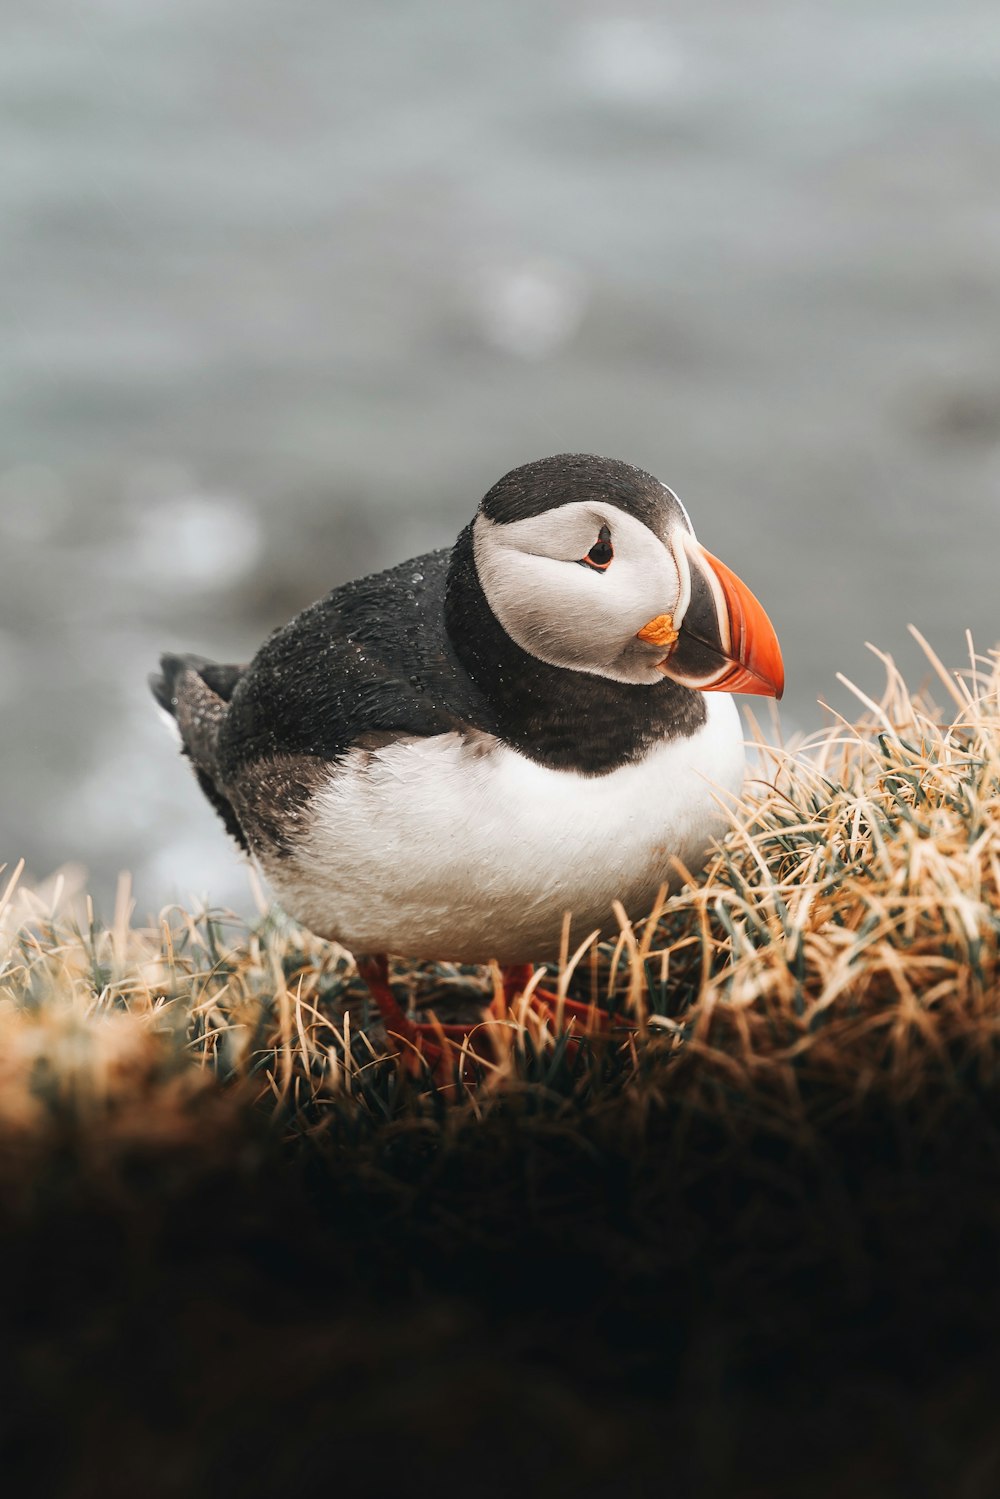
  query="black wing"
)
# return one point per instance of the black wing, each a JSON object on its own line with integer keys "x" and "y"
{"x": 370, "y": 661}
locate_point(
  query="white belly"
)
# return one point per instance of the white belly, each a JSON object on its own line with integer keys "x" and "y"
{"x": 461, "y": 848}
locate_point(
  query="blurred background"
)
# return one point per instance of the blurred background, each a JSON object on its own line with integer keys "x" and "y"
{"x": 286, "y": 287}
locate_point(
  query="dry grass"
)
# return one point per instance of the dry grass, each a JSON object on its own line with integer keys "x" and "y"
{"x": 790, "y": 1160}
{"x": 848, "y": 930}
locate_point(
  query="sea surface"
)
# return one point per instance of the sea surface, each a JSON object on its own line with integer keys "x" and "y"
{"x": 285, "y": 288}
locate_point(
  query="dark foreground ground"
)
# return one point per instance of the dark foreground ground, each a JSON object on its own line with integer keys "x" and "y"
{"x": 570, "y": 1296}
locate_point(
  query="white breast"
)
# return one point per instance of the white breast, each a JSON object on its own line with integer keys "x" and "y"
{"x": 461, "y": 848}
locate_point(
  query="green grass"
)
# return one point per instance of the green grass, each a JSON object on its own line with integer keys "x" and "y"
{"x": 750, "y": 1245}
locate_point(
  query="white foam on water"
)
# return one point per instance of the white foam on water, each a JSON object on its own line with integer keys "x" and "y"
{"x": 192, "y": 541}
{"x": 530, "y": 308}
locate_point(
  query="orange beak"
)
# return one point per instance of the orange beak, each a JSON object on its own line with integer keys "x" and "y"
{"x": 725, "y": 642}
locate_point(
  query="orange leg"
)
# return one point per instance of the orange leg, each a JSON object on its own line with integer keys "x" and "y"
{"x": 431, "y": 1038}
{"x": 515, "y": 980}
{"x": 375, "y": 972}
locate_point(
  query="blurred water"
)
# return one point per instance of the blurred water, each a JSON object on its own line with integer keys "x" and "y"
{"x": 285, "y": 288}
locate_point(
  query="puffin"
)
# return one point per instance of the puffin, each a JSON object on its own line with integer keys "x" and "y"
{"x": 442, "y": 759}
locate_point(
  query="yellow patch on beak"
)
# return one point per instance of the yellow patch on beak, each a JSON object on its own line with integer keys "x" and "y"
{"x": 660, "y": 631}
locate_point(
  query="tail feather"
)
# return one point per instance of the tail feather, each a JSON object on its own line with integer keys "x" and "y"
{"x": 217, "y": 675}
{"x": 196, "y": 692}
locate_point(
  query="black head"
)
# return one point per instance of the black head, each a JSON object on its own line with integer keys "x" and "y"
{"x": 591, "y": 564}
{"x": 569, "y": 478}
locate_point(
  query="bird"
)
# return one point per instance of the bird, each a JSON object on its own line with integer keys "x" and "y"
{"x": 442, "y": 759}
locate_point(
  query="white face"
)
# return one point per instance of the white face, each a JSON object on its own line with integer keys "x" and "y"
{"x": 578, "y": 616}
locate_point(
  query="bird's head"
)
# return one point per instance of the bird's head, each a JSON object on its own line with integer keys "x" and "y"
{"x": 593, "y": 565}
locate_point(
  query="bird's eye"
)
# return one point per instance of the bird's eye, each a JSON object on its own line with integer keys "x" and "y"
{"x": 600, "y": 555}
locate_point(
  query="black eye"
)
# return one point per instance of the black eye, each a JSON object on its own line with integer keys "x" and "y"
{"x": 601, "y": 552}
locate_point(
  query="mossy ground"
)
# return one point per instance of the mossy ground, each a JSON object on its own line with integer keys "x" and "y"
{"x": 750, "y": 1248}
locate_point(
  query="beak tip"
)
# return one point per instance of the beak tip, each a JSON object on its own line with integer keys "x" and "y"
{"x": 756, "y": 654}
{"x": 775, "y": 686}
